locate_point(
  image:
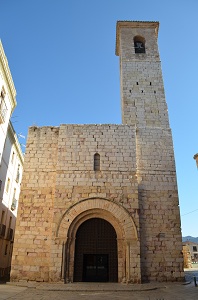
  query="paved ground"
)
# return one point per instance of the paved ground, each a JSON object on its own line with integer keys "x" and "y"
{"x": 97, "y": 291}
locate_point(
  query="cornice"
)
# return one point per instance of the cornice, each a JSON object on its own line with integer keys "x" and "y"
{"x": 133, "y": 24}
{"x": 7, "y": 76}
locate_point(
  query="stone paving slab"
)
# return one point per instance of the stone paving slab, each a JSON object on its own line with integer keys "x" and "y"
{"x": 168, "y": 292}
{"x": 9, "y": 291}
{"x": 87, "y": 287}
{"x": 112, "y": 291}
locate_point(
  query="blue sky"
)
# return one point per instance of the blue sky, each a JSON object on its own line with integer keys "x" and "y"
{"x": 62, "y": 58}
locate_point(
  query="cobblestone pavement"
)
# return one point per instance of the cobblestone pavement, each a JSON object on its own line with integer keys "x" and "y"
{"x": 96, "y": 291}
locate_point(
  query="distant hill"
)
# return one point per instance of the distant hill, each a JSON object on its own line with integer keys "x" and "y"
{"x": 190, "y": 238}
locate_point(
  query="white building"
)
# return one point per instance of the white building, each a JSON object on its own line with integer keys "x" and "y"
{"x": 7, "y": 98}
{"x": 11, "y": 166}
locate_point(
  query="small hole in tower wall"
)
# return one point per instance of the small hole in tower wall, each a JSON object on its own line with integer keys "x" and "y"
{"x": 150, "y": 83}
{"x": 154, "y": 92}
{"x": 137, "y": 83}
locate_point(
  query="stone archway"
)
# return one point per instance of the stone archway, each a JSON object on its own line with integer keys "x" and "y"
{"x": 128, "y": 245}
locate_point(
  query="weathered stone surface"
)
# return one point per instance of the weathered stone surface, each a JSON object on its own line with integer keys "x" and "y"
{"x": 135, "y": 188}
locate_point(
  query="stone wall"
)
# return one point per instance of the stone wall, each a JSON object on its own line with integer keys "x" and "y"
{"x": 160, "y": 227}
{"x": 33, "y": 235}
{"x": 58, "y": 175}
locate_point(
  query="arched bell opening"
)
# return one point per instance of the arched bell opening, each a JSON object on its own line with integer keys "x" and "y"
{"x": 139, "y": 44}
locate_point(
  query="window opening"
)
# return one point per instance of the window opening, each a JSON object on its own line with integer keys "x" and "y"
{"x": 139, "y": 44}
{"x": 96, "y": 162}
{"x": 3, "y": 107}
{"x": 2, "y": 216}
{"x": 8, "y": 185}
{"x": 6, "y": 249}
{"x": 18, "y": 174}
{"x": 10, "y": 222}
{"x": 14, "y": 201}
{"x": 13, "y": 155}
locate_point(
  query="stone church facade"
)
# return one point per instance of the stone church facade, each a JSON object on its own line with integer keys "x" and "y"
{"x": 100, "y": 202}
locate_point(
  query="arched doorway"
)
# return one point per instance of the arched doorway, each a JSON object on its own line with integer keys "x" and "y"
{"x": 128, "y": 245}
{"x": 96, "y": 258}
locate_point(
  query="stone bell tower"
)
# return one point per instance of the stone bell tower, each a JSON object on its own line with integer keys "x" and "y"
{"x": 144, "y": 106}
{"x": 142, "y": 89}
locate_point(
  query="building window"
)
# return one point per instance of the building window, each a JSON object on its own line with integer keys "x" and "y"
{"x": 96, "y": 162}
{"x": 194, "y": 248}
{"x": 139, "y": 44}
{"x": 10, "y": 222}
{"x": 12, "y": 159}
{"x": 3, "y": 107}
{"x": 18, "y": 174}
{"x": 8, "y": 185}
{"x": 2, "y": 225}
{"x": 14, "y": 201}
{"x": 0, "y": 184}
{"x": 2, "y": 216}
{"x": 10, "y": 231}
{"x": 6, "y": 249}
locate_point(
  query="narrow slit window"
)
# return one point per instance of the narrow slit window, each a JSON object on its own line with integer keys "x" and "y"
{"x": 96, "y": 162}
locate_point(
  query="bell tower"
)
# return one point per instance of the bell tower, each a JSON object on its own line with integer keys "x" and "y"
{"x": 144, "y": 107}
{"x": 142, "y": 89}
